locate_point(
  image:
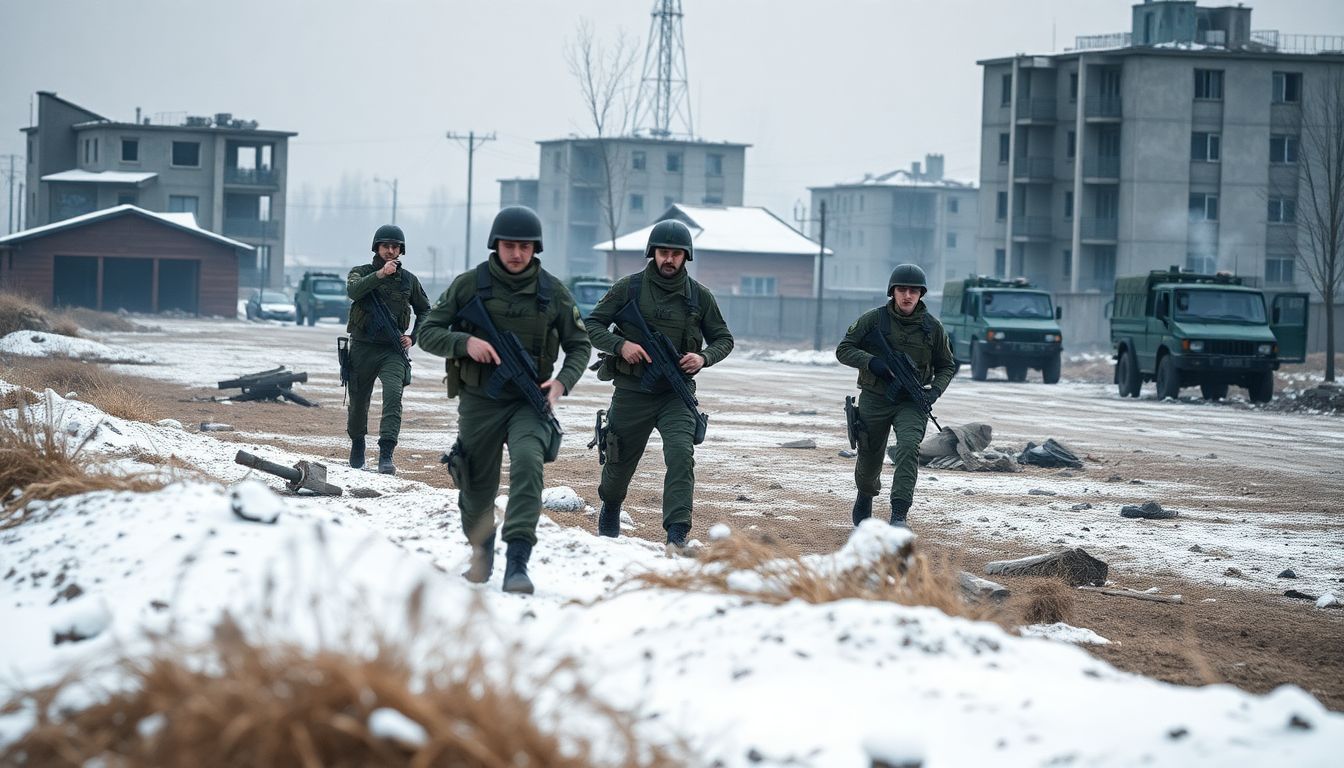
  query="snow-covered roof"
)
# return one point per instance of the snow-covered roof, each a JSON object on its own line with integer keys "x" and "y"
{"x": 183, "y": 221}
{"x": 728, "y": 229}
{"x": 101, "y": 177}
{"x": 902, "y": 177}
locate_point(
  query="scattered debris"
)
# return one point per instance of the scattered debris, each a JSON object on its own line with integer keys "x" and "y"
{"x": 1073, "y": 565}
{"x": 804, "y": 443}
{"x": 845, "y": 453}
{"x": 275, "y": 384}
{"x": 1150, "y": 510}
{"x": 304, "y": 475}
{"x": 964, "y": 447}
{"x": 1080, "y": 507}
{"x": 977, "y": 588}
{"x": 1051, "y": 453}
{"x": 214, "y": 426}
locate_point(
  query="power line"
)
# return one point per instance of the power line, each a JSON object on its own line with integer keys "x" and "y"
{"x": 470, "y": 143}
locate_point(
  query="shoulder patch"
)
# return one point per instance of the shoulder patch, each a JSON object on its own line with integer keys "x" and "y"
{"x": 578, "y": 319}
{"x": 854, "y": 326}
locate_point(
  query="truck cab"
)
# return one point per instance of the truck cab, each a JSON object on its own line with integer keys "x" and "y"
{"x": 1182, "y": 329}
{"x": 587, "y": 291}
{"x": 321, "y": 294}
{"x": 1008, "y": 323}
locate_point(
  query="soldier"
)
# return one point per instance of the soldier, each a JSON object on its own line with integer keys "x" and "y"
{"x": 686, "y": 312}
{"x": 909, "y": 328}
{"x": 519, "y": 297}
{"x": 376, "y": 357}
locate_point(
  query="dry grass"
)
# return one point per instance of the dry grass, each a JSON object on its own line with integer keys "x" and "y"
{"x": 21, "y": 313}
{"x": 782, "y": 574}
{"x": 240, "y": 702}
{"x": 113, "y": 394}
{"x": 1048, "y": 601}
{"x": 93, "y": 320}
{"x": 39, "y": 461}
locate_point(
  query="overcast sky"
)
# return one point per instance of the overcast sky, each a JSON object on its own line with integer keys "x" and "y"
{"x": 823, "y": 90}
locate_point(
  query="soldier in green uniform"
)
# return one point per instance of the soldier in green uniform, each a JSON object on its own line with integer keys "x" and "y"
{"x": 909, "y": 328}
{"x": 686, "y": 312}
{"x": 377, "y": 358}
{"x": 524, "y": 299}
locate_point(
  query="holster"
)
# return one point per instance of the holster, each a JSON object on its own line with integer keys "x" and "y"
{"x": 456, "y": 459}
{"x": 856, "y": 430}
{"x": 552, "y": 445}
{"x": 701, "y": 426}
{"x": 452, "y": 376}
{"x": 343, "y": 358}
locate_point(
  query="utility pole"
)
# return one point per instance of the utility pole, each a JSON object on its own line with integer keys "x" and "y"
{"x": 393, "y": 185}
{"x": 471, "y": 144}
{"x": 821, "y": 277}
{"x": 10, "y": 179}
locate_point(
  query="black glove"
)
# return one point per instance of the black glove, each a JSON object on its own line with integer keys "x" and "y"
{"x": 932, "y": 394}
{"x": 879, "y": 368}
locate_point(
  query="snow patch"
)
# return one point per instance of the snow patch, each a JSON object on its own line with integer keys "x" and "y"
{"x": 41, "y": 344}
{"x": 561, "y": 499}
{"x": 388, "y": 723}
{"x": 1063, "y": 633}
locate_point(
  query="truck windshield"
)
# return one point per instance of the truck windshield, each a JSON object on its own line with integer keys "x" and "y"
{"x": 274, "y": 297}
{"x": 1220, "y": 307}
{"x": 1016, "y": 304}
{"x": 328, "y": 286}
{"x": 590, "y": 293}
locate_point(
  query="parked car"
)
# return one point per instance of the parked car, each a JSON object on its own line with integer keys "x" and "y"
{"x": 321, "y": 294}
{"x": 1008, "y": 323}
{"x": 587, "y": 291}
{"x": 270, "y": 305}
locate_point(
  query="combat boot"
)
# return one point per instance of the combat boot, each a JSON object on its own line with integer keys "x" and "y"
{"x": 609, "y": 520}
{"x": 482, "y": 561}
{"x": 515, "y": 568}
{"x": 863, "y": 508}
{"x": 676, "y": 540}
{"x": 357, "y": 452}
{"x": 385, "y": 447}
{"x": 899, "y": 509}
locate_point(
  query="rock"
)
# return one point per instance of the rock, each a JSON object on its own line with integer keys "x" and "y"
{"x": 1040, "y": 492}
{"x": 364, "y": 493}
{"x": 170, "y": 423}
{"x": 1073, "y": 565}
{"x": 254, "y": 501}
{"x": 977, "y": 588}
{"x": 1288, "y": 574}
{"x": 968, "y": 492}
{"x": 1080, "y": 507}
{"x": 1328, "y": 600}
{"x": 982, "y": 519}
{"x": 803, "y": 413}
{"x": 1150, "y": 510}
{"x": 211, "y": 426}
{"x": 1293, "y": 593}
{"x": 1136, "y": 481}
{"x": 1234, "y": 573}
{"x": 845, "y": 453}
{"x": 1115, "y": 479}
{"x": 561, "y": 498}
{"x": 804, "y": 443}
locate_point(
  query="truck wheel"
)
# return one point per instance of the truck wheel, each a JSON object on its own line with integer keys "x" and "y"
{"x": 1127, "y": 375}
{"x": 312, "y": 318}
{"x": 1050, "y": 371}
{"x": 979, "y": 369}
{"x": 1017, "y": 372}
{"x": 1213, "y": 391}
{"x": 298, "y": 315}
{"x": 1168, "y": 379}
{"x": 1261, "y": 387}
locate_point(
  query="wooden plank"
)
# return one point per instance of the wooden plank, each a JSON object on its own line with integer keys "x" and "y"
{"x": 1171, "y": 599}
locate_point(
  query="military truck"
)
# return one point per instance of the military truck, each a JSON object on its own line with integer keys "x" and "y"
{"x": 1008, "y": 323}
{"x": 587, "y": 291}
{"x": 320, "y": 294}
{"x": 1182, "y": 329}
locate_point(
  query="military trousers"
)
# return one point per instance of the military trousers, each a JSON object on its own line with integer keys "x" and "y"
{"x": 484, "y": 427}
{"x": 632, "y": 417}
{"x": 880, "y": 416}
{"x": 370, "y": 362}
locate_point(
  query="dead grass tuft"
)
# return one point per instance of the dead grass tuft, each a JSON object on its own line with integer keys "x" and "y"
{"x": 21, "y": 313}
{"x": 93, "y": 320}
{"x": 1048, "y": 601}
{"x": 14, "y": 397}
{"x": 239, "y": 702}
{"x": 112, "y": 393}
{"x": 776, "y": 573}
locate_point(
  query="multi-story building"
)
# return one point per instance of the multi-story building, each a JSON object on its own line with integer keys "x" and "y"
{"x": 1175, "y": 143}
{"x": 226, "y": 172}
{"x": 647, "y": 177}
{"x": 913, "y": 216}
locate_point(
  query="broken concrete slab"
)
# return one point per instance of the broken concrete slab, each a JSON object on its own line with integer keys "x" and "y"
{"x": 977, "y": 588}
{"x": 1073, "y": 565}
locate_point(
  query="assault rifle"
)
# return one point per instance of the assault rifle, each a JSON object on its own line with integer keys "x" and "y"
{"x": 599, "y": 440}
{"x": 664, "y": 366}
{"x": 906, "y": 378}
{"x": 383, "y": 327}
{"x": 515, "y": 366}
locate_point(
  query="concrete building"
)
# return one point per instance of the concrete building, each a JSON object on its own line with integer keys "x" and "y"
{"x": 1174, "y": 143}
{"x": 647, "y": 177}
{"x": 518, "y": 191}
{"x": 226, "y": 172}
{"x": 906, "y": 216}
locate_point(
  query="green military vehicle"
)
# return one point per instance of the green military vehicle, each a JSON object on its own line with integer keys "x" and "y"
{"x": 1182, "y": 329}
{"x": 321, "y": 294}
{"x": 1008, "y": 323}
{"x": 587, "y": 291}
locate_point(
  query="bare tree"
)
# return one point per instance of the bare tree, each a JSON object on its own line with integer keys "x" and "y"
{"x": 1320, "y": 206}
{"x": 605, "y": 75}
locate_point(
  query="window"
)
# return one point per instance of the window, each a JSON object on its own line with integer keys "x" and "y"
{"x": 1003, "y": 147}
{"x": 1073, "y": 86}
{"x": 1068, "y": 204}
{"x": 674, "y": 162}
{"x": 1287, "y": 87}
{"x": 1007, "y": 89}
{"x": 713, "y": 165}
{"x": 1201, "y": 263}
{"x": 1071, "y": 145}
{"x": 1279, "y": 269}
{"x": 1000, "y": 262}
{"x": 1209, "y": 84}
{"x": 555, "y": 161}
{"x": 757, "y": 286}
{"x": 951, "y": 239}
{"x": 1282, "y": 210}
{"x": 860, "y": 196}
{"x": 1282, "y": 149}
{"x": 638, "y": 160}
{"x": 1068, "y": 263}
{"x": 1205, "y": 147}
{"x": 1001, "y": 206}
{"x": 1203, "y": 207}
{"x": 130, "y": 150}
{"x": 187, "y": 154}
{"x": 712, "y": 199}
{"x": 184, "y": 204}
{"x": 636, "y": 202}
{"x": 953, "y": 205}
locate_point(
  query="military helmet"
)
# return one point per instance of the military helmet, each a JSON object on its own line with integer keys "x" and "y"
{"x": 670, "y": 234}
{"x": 516, "y": 222}
{"x": 389, "y": 233}
{"x": 909, "y": 275}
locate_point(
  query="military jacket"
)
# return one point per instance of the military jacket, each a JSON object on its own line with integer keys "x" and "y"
{"x": 543, "y": 327}
{"x": 918, "y": 334}
{"x": 690, "y": 325}
{"x": 401, "y": 292}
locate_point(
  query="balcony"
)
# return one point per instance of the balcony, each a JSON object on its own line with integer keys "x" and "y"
{"x": 1032, "y": 228}
{"x": 1034, "y": 169}
{"x": 1036, "y": 110}
{"x": 1098, "y": 230}
{"x": 1101, "y": 168}
{"x": 251, "y": 228}
{"x": 1102, "y": 108}
{"x": 257, "y": 177}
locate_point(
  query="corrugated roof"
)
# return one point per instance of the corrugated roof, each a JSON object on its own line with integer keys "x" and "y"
{"x": 729, "y": 229}
{"x": 101, "y": 177}
{"x": 183, "y": 221}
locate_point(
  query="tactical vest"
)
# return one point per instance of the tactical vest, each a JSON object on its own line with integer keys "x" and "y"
{"x": 915, "y": 340}
{"x": 680, "y": 325}
{"x": 396, "y": 297}
{"x": 532, "y": 323}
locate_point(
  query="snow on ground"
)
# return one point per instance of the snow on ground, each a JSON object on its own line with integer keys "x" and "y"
{"x": 744, "y": 683}
{"x": 1064, "y": 633}
{"x": 42, "y": 344}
